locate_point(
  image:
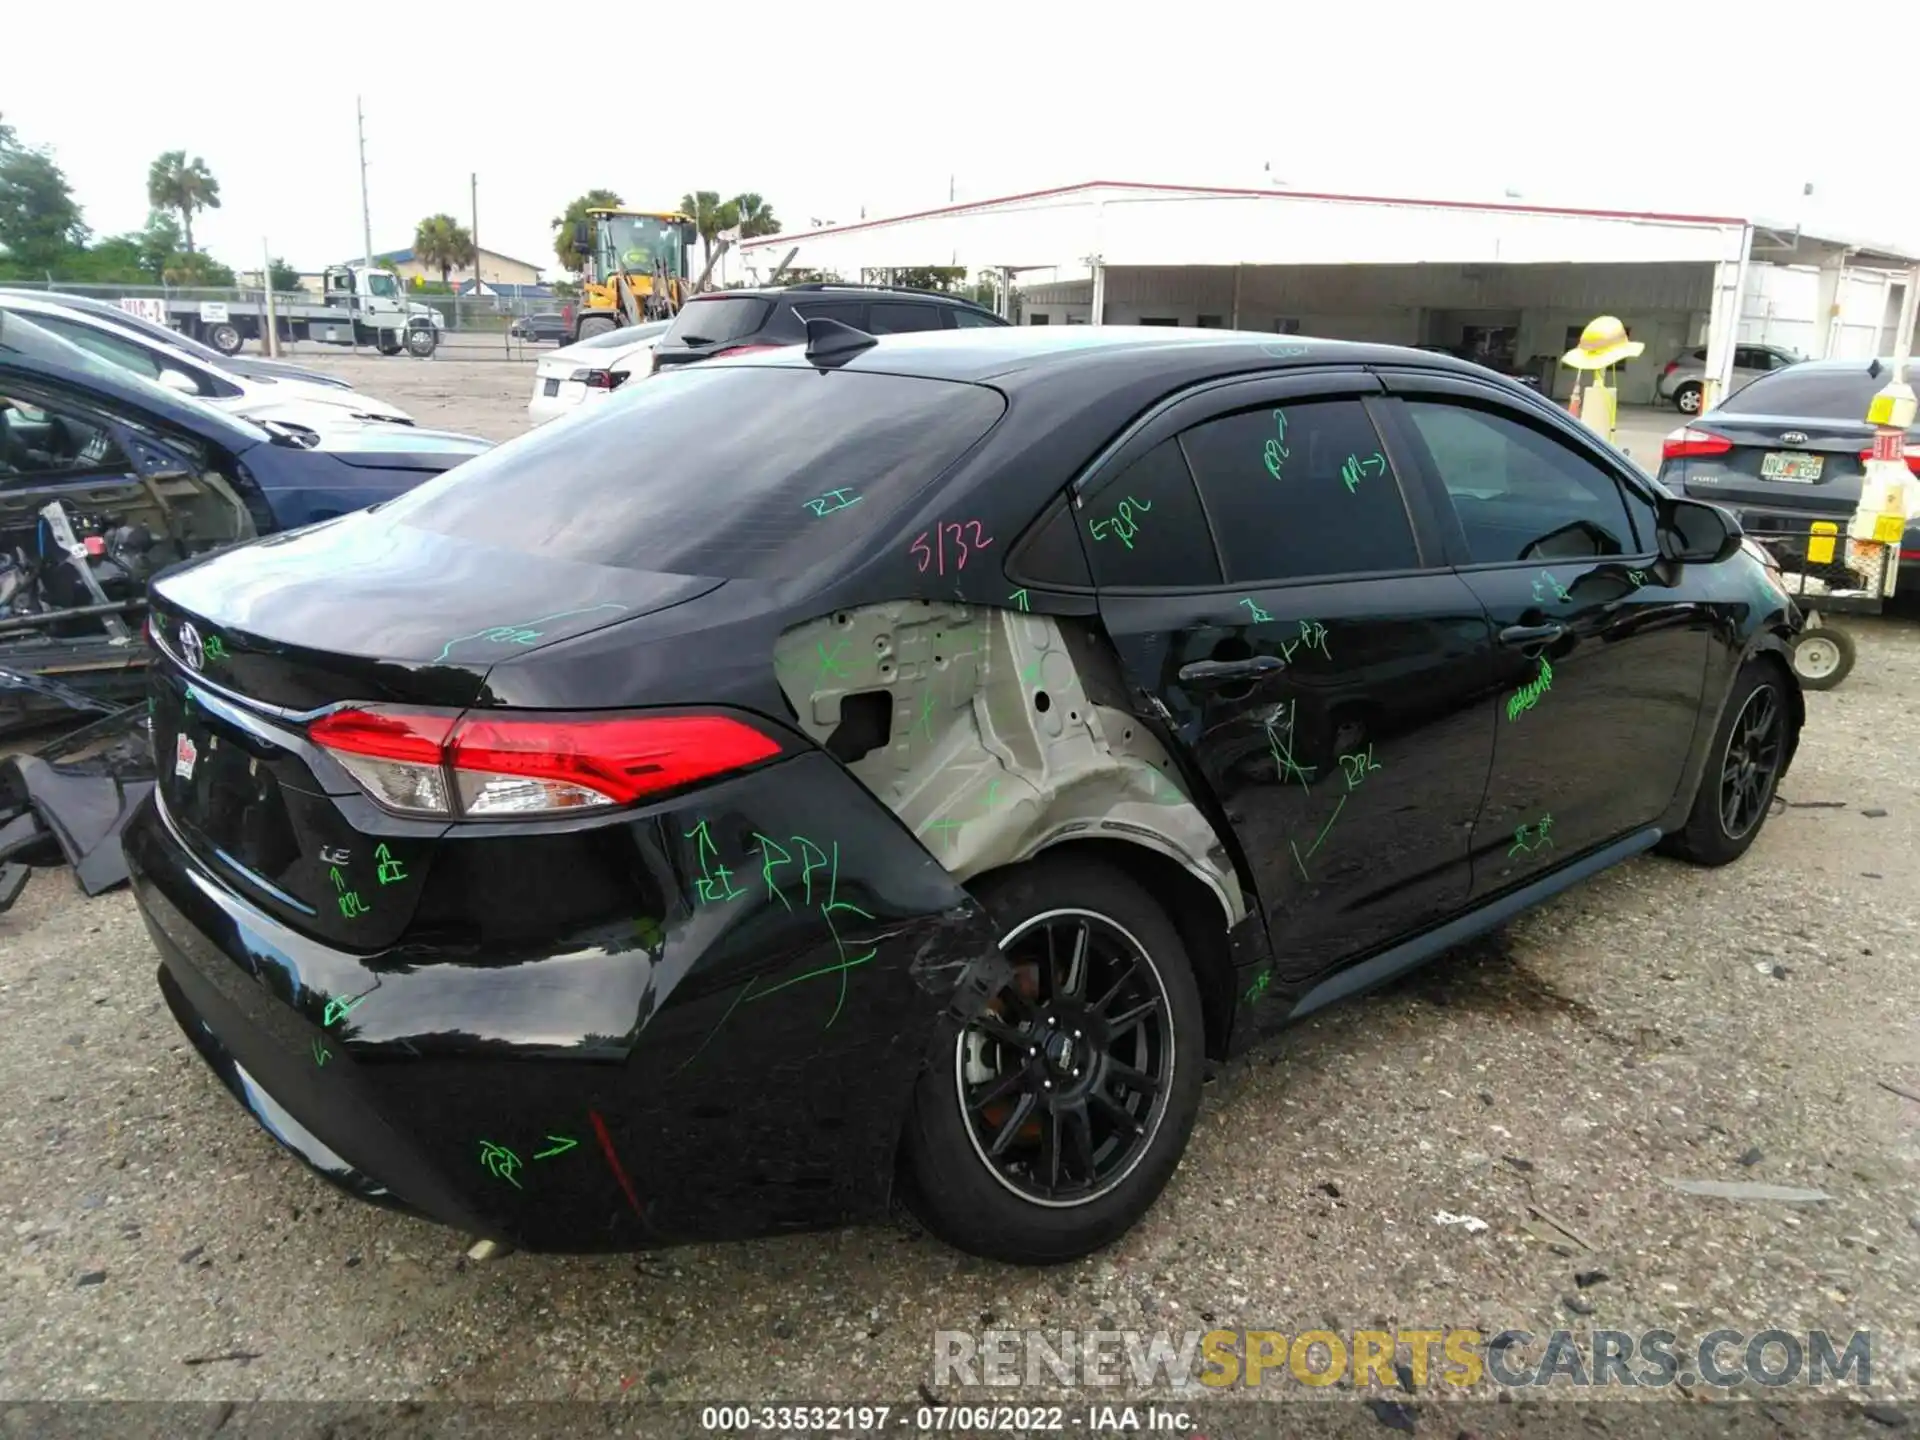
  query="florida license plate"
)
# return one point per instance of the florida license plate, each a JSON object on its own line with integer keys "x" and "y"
{"x": 1790, "y": 465}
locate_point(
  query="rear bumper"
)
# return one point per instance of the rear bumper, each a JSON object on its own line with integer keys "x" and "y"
{"x": 612, "y": 1088}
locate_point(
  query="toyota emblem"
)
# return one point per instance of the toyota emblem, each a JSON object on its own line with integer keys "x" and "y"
{"x": 1794, "y": 437}
{"x": 191, "y": 649}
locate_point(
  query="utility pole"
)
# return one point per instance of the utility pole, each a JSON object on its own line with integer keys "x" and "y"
{"x": 473, "y": 201}
{"x": 266, "y": 285}
{"x": 366, "y": 211}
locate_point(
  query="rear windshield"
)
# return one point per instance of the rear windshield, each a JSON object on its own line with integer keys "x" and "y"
{"x": 742, "y": 472}
{"x": 714, "y": 322}
{"x": 1814, "y": 393}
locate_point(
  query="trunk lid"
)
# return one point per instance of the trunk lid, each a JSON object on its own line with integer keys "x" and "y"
{"x": 1739, "y": 477}
{"x": 359, "y": 608}
{"x": 251, "y": 645}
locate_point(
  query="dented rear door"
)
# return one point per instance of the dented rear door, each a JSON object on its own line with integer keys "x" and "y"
{"x": 1277, "y": 595}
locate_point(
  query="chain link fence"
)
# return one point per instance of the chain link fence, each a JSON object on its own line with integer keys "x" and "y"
{"x": 467, "y": 323}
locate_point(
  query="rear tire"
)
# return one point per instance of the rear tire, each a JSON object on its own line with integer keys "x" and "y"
{"x": 596, "y": 325}
{"x": 1823, "y": 658}
{"x": 390, "y": 347}
{"x": 422, "y": 341}
{"x": 1743, "y": 770}
{"x": 1687, "y": 398}
{"x": 224, "y": 338}
{"x": 1094, "y": 1101}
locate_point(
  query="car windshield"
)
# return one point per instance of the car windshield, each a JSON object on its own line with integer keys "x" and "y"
{"x": 379, "y": 282}
{"x": 634, "y": 243}
{"x": 21, "y": 336}
{"x": 710, "y": 322}
{"x": 1813, "y": 392}
{"x": 741, "y": 472}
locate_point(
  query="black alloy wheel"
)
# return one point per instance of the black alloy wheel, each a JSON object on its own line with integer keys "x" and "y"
{"x": 1752, "y": 762}
{"x": 1063, "y": 1079}
{"x": 1047, "y": 1121}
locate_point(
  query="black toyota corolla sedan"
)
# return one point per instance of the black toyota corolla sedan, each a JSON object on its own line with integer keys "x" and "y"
{"x": 904, "y": 766}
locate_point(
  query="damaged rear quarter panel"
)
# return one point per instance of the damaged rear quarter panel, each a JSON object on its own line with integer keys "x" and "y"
{"x": 1007, "y": 733}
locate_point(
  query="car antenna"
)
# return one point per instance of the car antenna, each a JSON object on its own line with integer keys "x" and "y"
{"x": 830, "y": 341}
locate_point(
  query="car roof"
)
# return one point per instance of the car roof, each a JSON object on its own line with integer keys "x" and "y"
{"x": 848, "y": 291}
{"x": 1019, "y": 355}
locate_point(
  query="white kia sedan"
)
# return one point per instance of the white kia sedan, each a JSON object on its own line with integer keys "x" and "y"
{"x": 589, "y": 370}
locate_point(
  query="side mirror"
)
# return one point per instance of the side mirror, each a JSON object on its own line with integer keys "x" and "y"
{"x": 582, "y": 238}
{"x": 1694, "y": 531}
{"x": 177, "y": 381}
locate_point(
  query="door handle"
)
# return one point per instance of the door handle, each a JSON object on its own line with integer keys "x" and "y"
{"x": 1228, "y": 672}
{"x": 1520, "y": 635}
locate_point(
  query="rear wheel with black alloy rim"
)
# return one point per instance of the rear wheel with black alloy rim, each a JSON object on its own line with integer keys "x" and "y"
{"x": 1047, "y": 1125}
{"x": 1822, "y": 658}
{"x": 1750, "y": 749}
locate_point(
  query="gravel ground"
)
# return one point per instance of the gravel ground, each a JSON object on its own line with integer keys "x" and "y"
{"x": 1752, "y": 1024}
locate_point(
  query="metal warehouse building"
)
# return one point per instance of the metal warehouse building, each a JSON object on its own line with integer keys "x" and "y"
{"x": 1509, "y": 284}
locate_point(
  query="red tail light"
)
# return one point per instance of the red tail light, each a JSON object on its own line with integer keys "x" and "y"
{"x": 1687, "y": 442}
{"x": 490, "y": 763}
{"x": 1913, "y": 457}
{"x": 742, "y": 350}
{"x": 599, "y": 379}
{"x": 1672, "y": 365}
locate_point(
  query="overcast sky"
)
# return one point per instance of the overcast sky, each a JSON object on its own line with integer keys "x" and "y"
{"x": 1450, "y": 101}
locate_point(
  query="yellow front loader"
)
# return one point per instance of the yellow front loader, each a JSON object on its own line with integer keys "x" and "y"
{"x": 636, "y": 270}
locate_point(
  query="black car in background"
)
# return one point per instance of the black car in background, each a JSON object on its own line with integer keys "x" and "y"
{"x": 540, "y": 327}
{"x": 910, "y": 763}
{"x": 739, "y": 322}
{"x": 1788, "y": 450}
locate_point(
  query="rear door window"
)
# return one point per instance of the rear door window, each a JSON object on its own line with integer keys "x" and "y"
{"x": 742, "y": 472}
{"x": 1301, "y": 490}
{"x": 898, "y": 317}
{"x": 847, "y": 312}
{"x": 714, "y": 322}
{"x": 1146, "y": 527}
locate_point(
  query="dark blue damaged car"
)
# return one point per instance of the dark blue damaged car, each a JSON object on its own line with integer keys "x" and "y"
{"x": 107, "y": 478}
{"x": 903, "y": 766}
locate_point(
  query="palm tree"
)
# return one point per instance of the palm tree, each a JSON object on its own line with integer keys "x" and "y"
{"x": 441, "y": 242}
{"x": 754, "y": 216}
{"x": 709, "y": 216}
{"x": 175, "y": 183}
{"x": 598, "y": 199}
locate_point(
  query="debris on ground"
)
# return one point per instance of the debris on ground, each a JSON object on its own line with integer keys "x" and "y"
{"x": 1473, "y": 1222}
{"x": 1747, "y": 1190}
{"x": 68, "y": 801}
